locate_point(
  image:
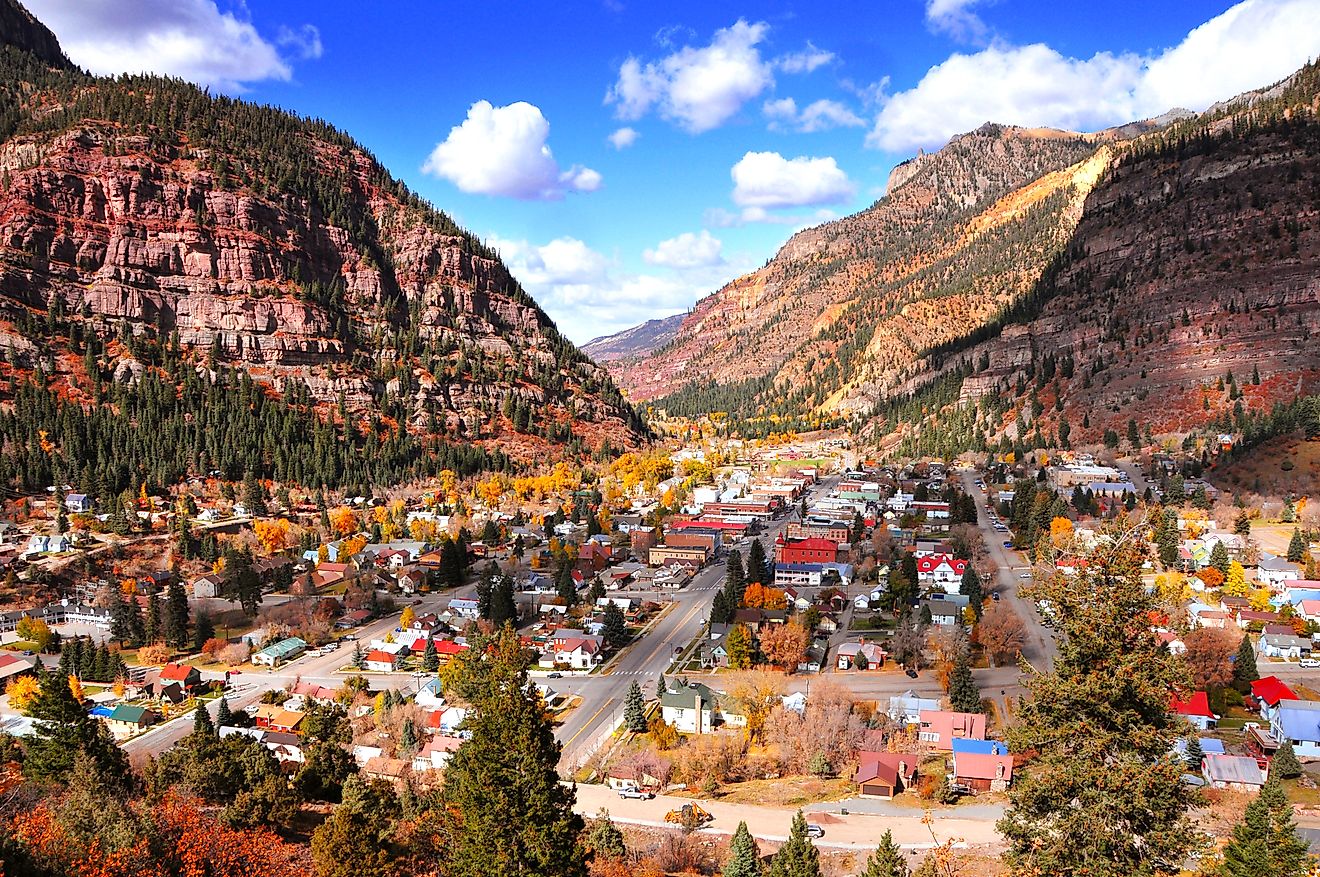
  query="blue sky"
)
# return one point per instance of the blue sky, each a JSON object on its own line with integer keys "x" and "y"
{"x": 629, "y": 157}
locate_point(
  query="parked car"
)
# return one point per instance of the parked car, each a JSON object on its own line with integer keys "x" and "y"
{"x": 1008, "y": 544}
{"x": 814, "y": 830}
{"x": 1310, "y": 662}
{"x": 554, "y": 675}
{"x": 995, "y": 596}
{"x": 638, "y": 794}
{"x": 1025, "y": 575}
{"x": 912, "y": 674}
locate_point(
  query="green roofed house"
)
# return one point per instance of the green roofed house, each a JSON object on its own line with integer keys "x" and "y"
{"x": 693, "y": 708}
{"x": 125, "y": 720}
{"x": 284, "y": 650}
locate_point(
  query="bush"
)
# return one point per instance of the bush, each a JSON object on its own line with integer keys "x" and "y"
{"x": 156, "y": 653}
{"x": 213, "y": 648}
{"x": 235, "y": 653}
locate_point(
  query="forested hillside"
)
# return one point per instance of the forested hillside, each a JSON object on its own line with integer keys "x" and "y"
{"x": 167, "y": 257}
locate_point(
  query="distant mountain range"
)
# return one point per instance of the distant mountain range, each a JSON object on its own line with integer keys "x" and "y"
{"x": 1145, "y": 262}
{"x": 150, "y": 221}
{"x": 635, "y": 342}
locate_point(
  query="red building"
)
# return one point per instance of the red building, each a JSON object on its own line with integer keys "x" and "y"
{"x": 814, "y": 550}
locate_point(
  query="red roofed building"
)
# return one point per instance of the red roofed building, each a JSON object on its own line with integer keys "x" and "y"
{"x": 184, "y": 674}
{"x": 380, "y": 661}
{"x": 813, "y": 550}
{"x": 1196, "y": 709}
{"x": 885, "y": 774}
{"x": 1269, "y": 691}
{"x": 943, "y": 570}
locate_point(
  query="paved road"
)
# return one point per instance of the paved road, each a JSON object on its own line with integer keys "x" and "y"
{"x": 1040, "y": 647}
{"x": 859, "y": 831}
{"x": 603, "y": 694}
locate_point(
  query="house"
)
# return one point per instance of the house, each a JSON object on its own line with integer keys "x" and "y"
{"x": 286, "y": 746}
{"x": 860, "y": 656}
{"x": 1268, "y": 693}
{"x": 188, "y": 677}
{"x": 274, "y": 717}
{"x": 810, "y": 550}
{"x": 15, "y": 665}
{"x": 579, "y": 653}
{"x": 431, "y": 694}
{"x": 692, "y": 708}
{"x": 125, "y": 721}
{"x": 944, "y": 612}
{"x": 208, "y": 586}
{"x": 280, "y": 652}
{"x": 391, "y": 770}
{"x": 1275, "y": 572}
{"x": 1239, "y": 772}
{"x": 1207, "y": 617}
{"x": 436, "y": 753}
{"x": 1196, "y": 709}
{"x": 629, "y": 776}
{"x": 1298, "y": 722}
{"x": 465, "y": 608}
{"x": 982, "y": 765}
{"x": 78, "y": 503}
{"x": 885, "y": 774}
{"x": 941, "y": 570}
{"x": 48, "y": 545}
{"x": 380, "y": 661}
{"x": 356, "y": 618}
{"x": 908, "y": 707}
{"x": 1284, "y": 645}
{"x": 941, "y": 727}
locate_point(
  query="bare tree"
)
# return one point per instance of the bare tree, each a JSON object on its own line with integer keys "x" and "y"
{"x": 1001, "y": 633}
{"x": 1209, "y": 657}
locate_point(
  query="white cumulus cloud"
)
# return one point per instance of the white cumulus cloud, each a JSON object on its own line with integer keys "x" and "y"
{"x": 768, "y": 181}
{"x": 956, "y": 18}
{"x": 1252, "y": 44}
{"x": 804, "y": 61}
{"x": 191, "y": 39}
{"x": 687, "y": 250}
{"x": 697, "y": 88}
{"x": 503, "y": 151}
{"x": 820, "y": 115}
{"x": 623, "y": 138}
{"x": 589, "y": 295}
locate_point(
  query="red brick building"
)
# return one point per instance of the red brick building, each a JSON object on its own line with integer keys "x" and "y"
{"x": 815, "y": 550}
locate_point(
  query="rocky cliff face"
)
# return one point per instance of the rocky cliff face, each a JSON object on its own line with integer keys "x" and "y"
{"x": 634, "y": 343}
{"x": 1154, "y": 259}
{"x": 255, "y": 238}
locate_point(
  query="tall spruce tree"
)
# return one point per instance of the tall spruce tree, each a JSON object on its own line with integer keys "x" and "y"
{"x": 1265, "y": 843}
{"x": 507, "y": 766}
{"x": 202, "y": 724}
{"x": 964, "y": 696}
{"x": 615, "y": 626}
{"x": 1219, "y": 557}
{"x": 887, "y": 860}
{"x": 970, "y": 587}
{"x": 757, "y": 569}
{"x": 224, "y": 717}
{"x": 744, "y": 855}
{"x": 430, "y": 657}
{"x": 798, "y": 856}
{"x": 1296, "y": 547}
{"x": 176, "y": 615}
{"x": 634, "y": 709}
{"x": 1244, "y": 665}
{"x": 1105, "y": 796}
{"x": 1193, "y": 755}
{"x": 203, "y": 631}
{"x": 1285, "y": 764}
{"x": 63, "y": 731}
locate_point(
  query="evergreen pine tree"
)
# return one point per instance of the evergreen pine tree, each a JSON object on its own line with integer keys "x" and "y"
{"x": 408, "y": 737}
{"x": 735, "y": 577}
{"x": 1194, "y": 754}
{"x": 615, "y": 626}
{"x": 744, "y": 856}
{"x": 1219, "y": 557}
{"x": 359, "y": 659}
{"x": 720, "y": 613}
{"x": 430, "y": 657}
{"x": 964, "y": 696}
{"x": 1289, "y": 511}
{"x": 63, "y": 730}
{"x": 887, "y": 860}
{"x": 1285, "y": 764}
{"x": 757, "y": 570}
{"x": 1241, "y": 526}
{"x": 151, "y": 628}
{"x": 1296, "y": 547}
{"x": 970, "y": 587}
{"x": 605, "y": 840}
{"x": 1265, "y": 843}
{"x": 176, "y": 615}
{"x": 566, "y": 585}
{"x": 203, "y": 630}
{"x": 798, "y": 856}
{"x": 121, "y": 614}
{"x": 202, "y": 725}
{"x": 223, "y": 716}
{"x": 1244, "y": 665}
{"x": 634, "y": 709}
{"x": 507, "y": 767}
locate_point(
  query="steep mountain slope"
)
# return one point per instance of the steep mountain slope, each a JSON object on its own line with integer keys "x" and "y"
{"x": 634, "y": 343}
{"x": 145, "y": 224}
{"x": 1067, "y": 277}
{"x": 836, "y": 291}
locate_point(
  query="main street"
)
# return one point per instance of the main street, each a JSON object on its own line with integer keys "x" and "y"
{"x": 602, "y": 695}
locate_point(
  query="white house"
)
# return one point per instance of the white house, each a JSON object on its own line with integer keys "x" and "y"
{"x": 1275, "y": 572}
{"x": 1282, "y": 645}
{"x": 941, "y": 570}
{"x": 907, "y": 707}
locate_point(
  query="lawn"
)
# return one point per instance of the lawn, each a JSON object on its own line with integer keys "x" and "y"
{"x": 786, "y": 791}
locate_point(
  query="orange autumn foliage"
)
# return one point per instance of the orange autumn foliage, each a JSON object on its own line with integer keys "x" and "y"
{"x": 176, "y": 839}
{"x": 343, "y": 521}
{"x": 273, "y": 534}
{"x": 758, "y": 596}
